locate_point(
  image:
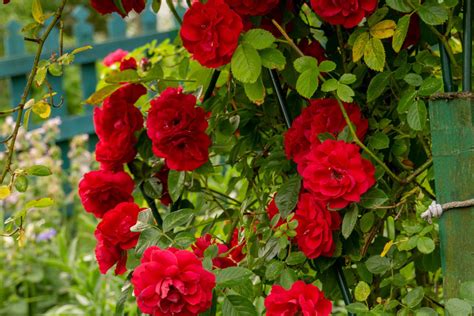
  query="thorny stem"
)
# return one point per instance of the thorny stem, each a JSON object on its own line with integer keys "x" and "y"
{"x": 288, "y": 38}
{"x": 26, "y": 91}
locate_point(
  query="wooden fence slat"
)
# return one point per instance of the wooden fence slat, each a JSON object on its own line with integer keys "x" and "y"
{"x": 15, "y": 47}
{"x": 116, "y": 27}
{"x": 148, "y": 20}
{"x": 452, "y": 127}
{"x": 83, "y": 33}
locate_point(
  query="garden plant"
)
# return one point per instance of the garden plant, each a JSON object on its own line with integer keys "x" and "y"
{"x": 276, "y": 158}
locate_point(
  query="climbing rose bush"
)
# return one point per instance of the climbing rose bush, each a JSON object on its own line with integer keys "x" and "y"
{"x": 280, "y": 156}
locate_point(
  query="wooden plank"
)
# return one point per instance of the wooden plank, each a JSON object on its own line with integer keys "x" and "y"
{"x": 19, "y": 65}
{"x": 452, "y": 127}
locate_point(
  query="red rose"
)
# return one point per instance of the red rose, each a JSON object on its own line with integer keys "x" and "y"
{"x": 210, "y": 32}
{"x": 176, "y": 127}
{"x": 313, "y": 49}
{"x": 347, "y": 13}
{"x": 108, "y": 6}
{"x": 115, "y": 124}
{"x": 114, "y": 57}
{"x": 6, "y": 1}
{"x": 301, "y": 299}
{"x": 114, "y": 237}
{"x": 252, "y": 7}
{"x": 222, "y": 261}
{"x": 128, "y": 63}
{"x": 172, "y": 282}
{"x": 162, "y": 175}
{"x": 113, "y": 155}
{"x": 236, "y": 247}
{"x": 336, "y": 173}
{"x": 315, "y": 226}
{"x": 101, "y": 190}
{"x": 321, "y": 116}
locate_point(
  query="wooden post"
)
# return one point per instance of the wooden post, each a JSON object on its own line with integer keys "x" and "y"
{"x": 452, "y": 128}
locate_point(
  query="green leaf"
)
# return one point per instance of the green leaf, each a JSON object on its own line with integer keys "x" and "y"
{"x": 400, "y": 33}
{"x": 377, "y": 264}
{"x": 236, "y": 305}
{"x": 255, "y": 91}
{"x": 129, "y": 75}
{"x": 406, "y": 100}
{"x": 359, "y": 46}
{"x": 430, "y": 86}
{"x": 156, "y": 5}
{"x": 379, "y": 140}
{"x": 21, "y": 183}
{"x": 38, "y": 171}
{"x": 126, "y": 291}
{"x": 306, "y": 63}
{"x": 400, "y": 5}
{"x": 383, "y": 29}
{"x": 287, "y": 196}
{"x": 184, "y": 239}
{"x": 377, "y": 85}
{"x": 81, "y": 49}
{"x": 414, "y": 297}
{"x": 327, "y": 66}
{"x": 348, "y": 79}
{"x": 307, "y": 83}
{"x": 425, "y": 245}
{"x": 349, "y": 221}
{"x": 259, "y": 38}
{"x": 144, "y": 221}
{"x": 100, "y": 95}
{"x": 40, "y": 75}
{"x": 373, "y": 198}
{"x": 246, "y": 64}
{"x": 295, "y": 258}
{"x": 273, "y": 270}
{"x": 362, "y": 291}
{"x": 426, "y": 311}
{"x": 330, "y": 85}
{"x": 272, "y": 58}
{"x": 345, "y": 93}
{"x": 374, "y": 54}
{"x": 357, "y": 308}
{"x": 433, "y": 14}
{"x": 176, "y": 219}
{"x": 458, "y": 307}
{"x": 153, "y": 188}
{"x": 377, "y": 16}
{"x": 231, "y": 276}
{"x": 417, "y": 115}
{"x": 366, "y": 222}
{"x": 41, "y": 203}
{"x": 413, "y": 79}
{"x": 176, "y": 184}
{"x": 149, "y": 237}
{"x": 37, "y": 11}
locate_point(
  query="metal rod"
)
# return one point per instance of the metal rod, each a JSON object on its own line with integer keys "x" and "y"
{"x": 446, "y": 67}
{"x": 341, "y": 281}
{"x": 280, "y": 96}
{"x": 212, "y": 85}
{"x": 467, "y": 46}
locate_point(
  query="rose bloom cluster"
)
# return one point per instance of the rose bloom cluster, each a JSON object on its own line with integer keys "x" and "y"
{"x": 334, "y": 173}
{"x": 107, "y": 192}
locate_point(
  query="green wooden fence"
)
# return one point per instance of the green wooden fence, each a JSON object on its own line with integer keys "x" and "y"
{"x": 17, "y": 63}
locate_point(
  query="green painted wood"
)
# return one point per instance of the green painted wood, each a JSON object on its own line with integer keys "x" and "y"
{"x": 116, "y": 27}
{"x": 452, "y": 127}
{"x": 15, "y": 47}
{"x": 19, "y": 65}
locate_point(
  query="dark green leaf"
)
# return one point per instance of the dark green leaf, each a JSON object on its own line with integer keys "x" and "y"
{"x": 287, "y": 196}
{"x": 377, "y": 264}
{"x": 236, "y": 305}
{"x": 433, "y": 13}
{"x": 377, "y": 85}
{"x": 414, "y": 297}
{"x": 231, "y": 276}
{"x": 417, "y": 115}
{"x": 176, "y": 184}
{"x": 176, "y": 219}
{"x": 349, "y": 221}
{"x": 373, "y": 198}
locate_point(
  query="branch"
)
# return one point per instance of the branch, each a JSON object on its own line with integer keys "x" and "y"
{"x": 26, "y": 91}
